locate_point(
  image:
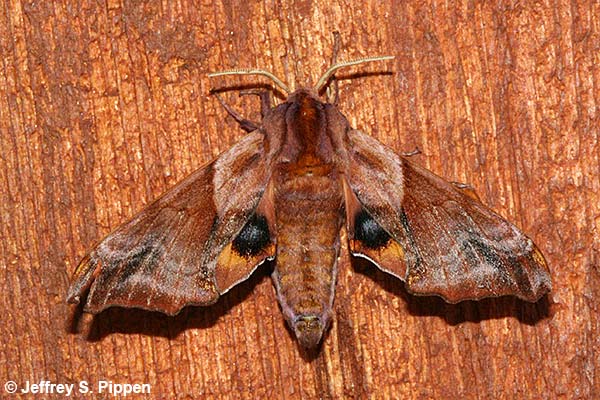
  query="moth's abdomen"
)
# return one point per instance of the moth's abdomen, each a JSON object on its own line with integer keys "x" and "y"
{"x": 309, "y": 216}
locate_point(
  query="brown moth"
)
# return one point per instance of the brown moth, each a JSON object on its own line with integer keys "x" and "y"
{"x": 283, "y": 193}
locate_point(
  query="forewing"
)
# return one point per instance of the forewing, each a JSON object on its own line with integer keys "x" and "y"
{"x": 434, "y": 235}
{"x": 178, "y": 251}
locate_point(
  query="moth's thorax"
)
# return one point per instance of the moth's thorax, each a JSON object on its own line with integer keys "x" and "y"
{"x": 307, "y": 141}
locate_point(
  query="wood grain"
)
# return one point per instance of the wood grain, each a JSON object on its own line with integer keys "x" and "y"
{"x": 103, "y": 106}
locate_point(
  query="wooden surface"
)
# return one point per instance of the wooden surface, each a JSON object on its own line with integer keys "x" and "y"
{"x": 105, "y": 105}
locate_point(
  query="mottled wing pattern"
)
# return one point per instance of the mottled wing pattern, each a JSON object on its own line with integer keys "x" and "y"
{"x": 432, "y": 234}
{"x": 178, "y": 251}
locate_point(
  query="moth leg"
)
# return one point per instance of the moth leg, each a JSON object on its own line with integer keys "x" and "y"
{"x": 467, "y": 189}
{"x": 245, "y": 124}
{"x": 337, "y": 43}
{"x": 411, "y": 153}
{"x": 265, "y": 99}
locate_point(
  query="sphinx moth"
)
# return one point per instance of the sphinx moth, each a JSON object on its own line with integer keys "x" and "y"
{"x": 283, "y": 193}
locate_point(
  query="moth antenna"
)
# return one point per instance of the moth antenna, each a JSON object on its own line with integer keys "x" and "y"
{"x": 325, "y": 77}
{"x": 262, "y": 72}
{"x": 333, "y": 93}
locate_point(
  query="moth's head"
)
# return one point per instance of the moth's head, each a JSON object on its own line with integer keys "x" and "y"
{"x": 322, "y": 83}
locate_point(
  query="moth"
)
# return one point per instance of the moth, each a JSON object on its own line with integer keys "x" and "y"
{"x": 284, "y": 193}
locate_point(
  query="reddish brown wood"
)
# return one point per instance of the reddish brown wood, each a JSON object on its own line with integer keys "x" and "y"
{"x": 103, "y": 106}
